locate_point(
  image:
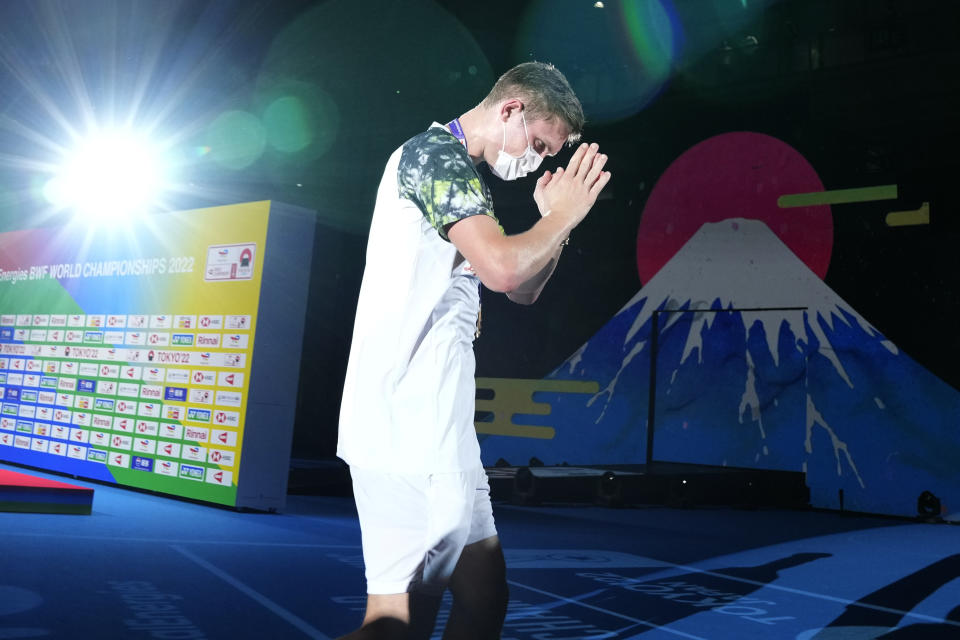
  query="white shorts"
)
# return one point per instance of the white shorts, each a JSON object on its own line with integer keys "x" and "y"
{"x": 414, "y": 527}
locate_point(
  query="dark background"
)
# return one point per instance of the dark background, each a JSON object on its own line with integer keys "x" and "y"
{"x": 865, "y": 90}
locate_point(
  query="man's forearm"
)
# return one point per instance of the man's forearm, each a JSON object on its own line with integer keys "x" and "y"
{"x": 529, "y": 291}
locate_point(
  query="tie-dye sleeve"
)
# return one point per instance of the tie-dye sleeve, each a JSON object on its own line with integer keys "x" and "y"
{"x": 436, "y": 173}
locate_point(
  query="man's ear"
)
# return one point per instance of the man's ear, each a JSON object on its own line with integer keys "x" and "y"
{"x": 508, "y": 107}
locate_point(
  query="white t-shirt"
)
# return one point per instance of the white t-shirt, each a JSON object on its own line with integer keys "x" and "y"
{"x": 409, "y": 392}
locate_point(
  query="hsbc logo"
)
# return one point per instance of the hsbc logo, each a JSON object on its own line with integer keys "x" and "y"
{"x": 211, "y": 322}
{"x": 147, "y": 427}
{"x": 204, "y": 377}
{"x": 158, "y": 339}
{"x": 116, "y": 321}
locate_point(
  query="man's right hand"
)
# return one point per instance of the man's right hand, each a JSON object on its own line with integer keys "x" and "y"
{"x": 570, "y": 194}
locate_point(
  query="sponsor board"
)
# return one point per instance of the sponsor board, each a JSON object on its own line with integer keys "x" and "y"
{"x": 116, "y": 322}
{"x": 147, "y": 427}
{"x": 237, "y": 323}
{"x": 208, "y": 340}
{"x": 153, "y": 374}
{"x": 120, "y": 460}
{"x": 145, "y": 445}
{"x": 128, "y": 390}
{"x": 169, "y": 449}
{"x": 181, "y": 340}
{"x": 172, "y": 431}
{"x": 126, "y": 425}
{"x": 99, "y": 439}
{"x": 106, "y": 387}
{"x": 142, "y": 464}
{"x": 225, "y": 418}
{"x": 39, "y": 444}
{"x": 194, "y": 452}
{"x": 226, "y": 262}
{"x": 222, "y": 457}
{"x": 219, "y": 476}
{"x": 136, "y": 338}
{"x": 178, "y": 376}
{"x": 176, "y": 394}
{"x": 196, "y": 434}
{"x": 199, "y": 376}
{"x": 190, "y": 472}
{"x": 137, "y": 322}
{"x": 184, "y": 322}
{"x": 210, "y": 322}
{"x": 167, "y": 468}
{"x": 201, "y": 396}
{"x": 195, "y": 414}
{"x": 223, "y": 437}
{"x": 121, "y": 442}
{"x": 98, "y": 320}
{"x": 149, "y": 409}
{"x": 229, "y": 379}
{"x": 97, "y": 455}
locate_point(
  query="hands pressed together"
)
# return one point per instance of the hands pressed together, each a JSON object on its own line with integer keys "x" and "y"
{"x": 570, "y": 193}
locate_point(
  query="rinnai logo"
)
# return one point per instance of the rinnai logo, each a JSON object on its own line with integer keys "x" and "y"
{"x": 47, "y": 397}
{"x": 151, "y": 391}
{"x": 167, "y": 468}
{"x": 211, "y": 322}
{"x": 123, "y": 424}
{"x": 218, "y": 476}
{"x": 102, "y": 422}
{"x": 211, "y": 340}
{"x": 21, "y": 442}
{"x": 58, "y": 320}
{"x": 195, "y": 434}
{"x": 67, "y": 384}
{"x": 8, "y": 320}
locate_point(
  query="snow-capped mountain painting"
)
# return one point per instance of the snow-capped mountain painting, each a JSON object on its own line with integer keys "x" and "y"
{"x": 759, "y": 364}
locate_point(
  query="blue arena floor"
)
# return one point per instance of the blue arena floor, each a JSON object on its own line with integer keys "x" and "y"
{"x": 143, "y": 566}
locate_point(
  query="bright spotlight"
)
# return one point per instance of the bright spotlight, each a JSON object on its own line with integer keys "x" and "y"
{"x": 108, "y": 177}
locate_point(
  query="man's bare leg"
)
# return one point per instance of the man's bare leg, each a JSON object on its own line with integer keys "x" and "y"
{"x": 480, "y": 594}
{"x": 400, "y": 616}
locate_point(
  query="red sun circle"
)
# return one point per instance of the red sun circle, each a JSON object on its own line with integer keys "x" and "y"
{"x": 734, "y": 175}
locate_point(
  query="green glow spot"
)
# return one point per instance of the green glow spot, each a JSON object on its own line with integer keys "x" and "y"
{"x": 236, "y": 139}
{"x": 288, "y": 125}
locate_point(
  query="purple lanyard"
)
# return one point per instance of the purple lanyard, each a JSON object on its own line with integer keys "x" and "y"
{"x": 457, "y": 131}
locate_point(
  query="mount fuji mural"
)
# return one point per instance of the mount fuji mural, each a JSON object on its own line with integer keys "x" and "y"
{"x": 759, "y": 364}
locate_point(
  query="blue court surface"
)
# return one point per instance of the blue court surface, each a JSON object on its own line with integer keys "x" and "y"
{"x": 144, "y": 566}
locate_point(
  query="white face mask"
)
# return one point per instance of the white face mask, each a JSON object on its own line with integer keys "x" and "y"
{"x": 509, "y": 168}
